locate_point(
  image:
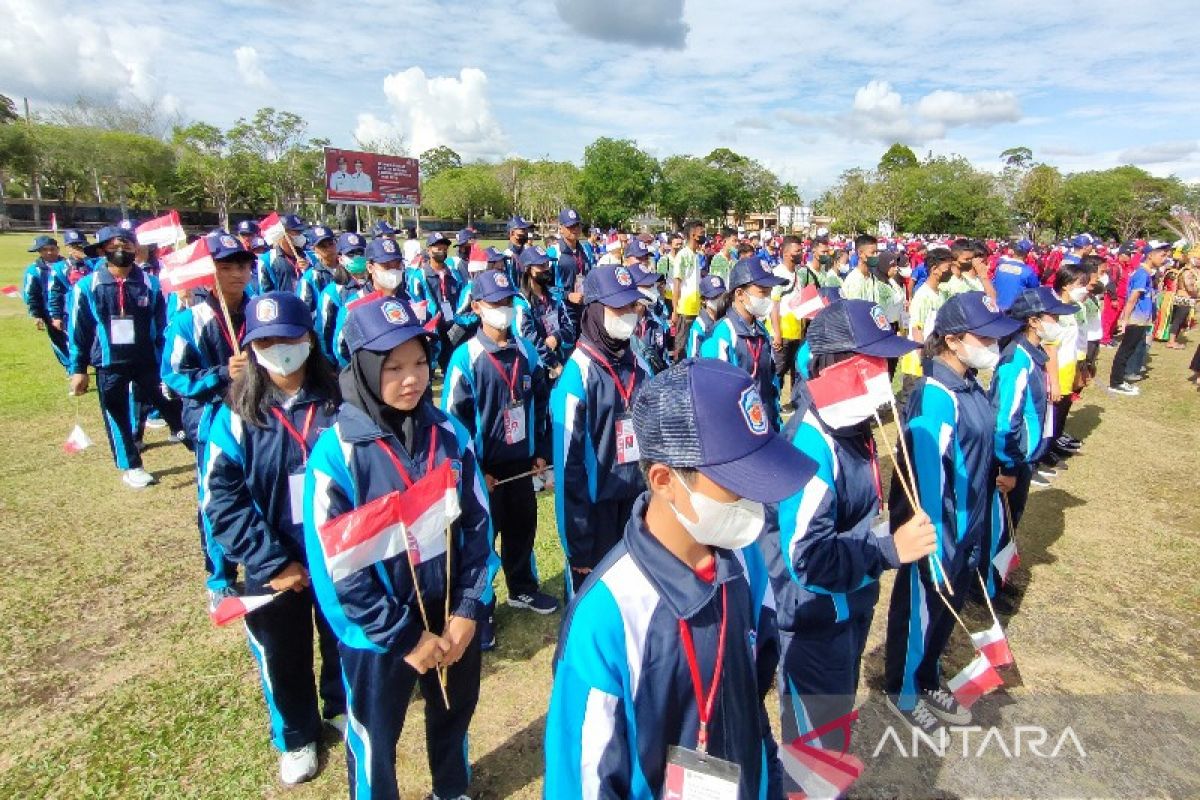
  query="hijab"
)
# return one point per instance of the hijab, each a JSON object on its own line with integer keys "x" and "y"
{"x": 592, "y": 326}
{"x": 361, "y": 388}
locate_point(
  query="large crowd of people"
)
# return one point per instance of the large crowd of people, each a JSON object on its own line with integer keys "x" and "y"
{"x": 372, "y": 420}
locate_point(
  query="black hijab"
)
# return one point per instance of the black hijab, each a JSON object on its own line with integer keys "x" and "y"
{"x": 591, "y": 324}
{"x": 361, "y": 388}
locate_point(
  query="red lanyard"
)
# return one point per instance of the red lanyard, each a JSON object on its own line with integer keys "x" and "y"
{"x": 626, "y": 392}
{"x": 704, "y": 706}
{"x": 224, "y": 329}
{"x": 404, "y": 476}
{"x": 755, "y": 352}
{"x": 875, "y": 470}
{"x": 120, "y": 296}
{"x": 300, "y": 436}
{"x": 510, "y": 381}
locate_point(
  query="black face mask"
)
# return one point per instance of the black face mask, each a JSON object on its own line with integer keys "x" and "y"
{"x": 543, "y": 277}
{"x": 120, "y": 258}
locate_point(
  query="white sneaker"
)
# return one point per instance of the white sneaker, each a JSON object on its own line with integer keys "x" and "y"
{"x": 156, "y": 422}
{"x": 1124, "y": 389}
{"x": 298, "y": 766}
{"x": 338, "y": 723}
{"x": 138, "y": 478}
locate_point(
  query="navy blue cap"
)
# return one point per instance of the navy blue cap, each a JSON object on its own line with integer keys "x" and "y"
{"x": 974, "y": 312}
{"x": 855, "y": 326}
{"x": 568, "y": 217}
{"x": 281, "y": 314}
{"x": 222, "y": 246}
{"x": 292, "y": 223}
{"x": 533, "y": 257}
{"x": 42, "y": 241}
{"x": 247, "y": 227}
{"x": 750, "y": 271}
{"x": 494, "y": 255}
{"x": 128, "y": 225}
{"x": 383, "y": 251}
{"x": 636, "y": 249}
{"x": 614, "y": 287}
{"x": 1082, "y": 240}
{"x": 436, "y": 238}
{"x": 642, "y": 276}
{"x": 1041, "y": 300}
{"x": 1155, "y": 244}
{"x": 379, "y": 324}
{"x": 713, "y": 286}
{"x": 349, "y": 241}
{"x": 319, "y": 233}
{"x": 107, "y": 234}
{"x": 518, "y": 223}
{"x": 492, "y": 286}
{"x": 258, "y": 242}
{"x": 464, "y": 236}
{"x": 1023, "y": 246}
{"x": 382, "y": 228}
{"x": 74, "y": 237}
{"x": 734, "y": 446}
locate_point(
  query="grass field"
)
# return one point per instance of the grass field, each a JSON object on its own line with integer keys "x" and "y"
{"x": 114, "y": 684}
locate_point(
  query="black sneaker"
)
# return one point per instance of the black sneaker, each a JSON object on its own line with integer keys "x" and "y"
{"x": 1046, "y": 473}
{"x": 537, "y": 602}
{"x": 920, "y": 718}
{"x": 945, "y": 707}
{"x": 1066, "y": 443}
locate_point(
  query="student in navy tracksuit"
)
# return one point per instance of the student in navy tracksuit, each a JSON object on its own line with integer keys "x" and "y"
{"x": 199, "y": 363}
{"x": 346, "y": 284}
{"x": 444, "y": 287}
{"x": 542, "y": 316}
{"x": 575, "y": 261}
{"x": 650, "y": 336}
{"x": 679, "y": 609}
{"x": 280, "y": 268}
{"x": 251, "y": 495}
{"x": 497, "y": 388}
{"x": 117, "y": 327}
{"x": 596, "y": 478}
{"x": 741, "y": 339}
{"x": 387, "y": 436}
{"x": 712, "y": 310}
{"x": 322, "y": 271}
{"x": 950, "y": 428}
{"x": 832, "y": 540}
{"x": 69, "y": 272}
{"x": 38, "y": 281}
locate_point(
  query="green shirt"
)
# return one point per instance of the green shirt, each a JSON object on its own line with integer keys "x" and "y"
{"x": 720, "y": 265}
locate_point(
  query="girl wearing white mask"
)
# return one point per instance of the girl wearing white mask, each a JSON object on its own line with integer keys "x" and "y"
{"x": 595, "y": 450}
{"x": 741, "y": 337}
{"x": 950, "y": 428}
{"x": 251, "y": 499}
{"x": 1067, "y": 356}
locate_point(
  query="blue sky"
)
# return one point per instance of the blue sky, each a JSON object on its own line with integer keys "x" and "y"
{"x": 809, "y": 88}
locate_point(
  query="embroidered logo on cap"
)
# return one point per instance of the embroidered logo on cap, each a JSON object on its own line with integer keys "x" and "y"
{"x": 389, "y": 246}
{"x": 267, "y": 310}
{"x": 990, "y": 305}
{"x": 394, "y": 313}
{"x": 572, "y": 215}
{"x": 623, "y": 277}
{"x": 879, "y": 318}
{"x": 752, "y": 411}
{"x": 502, "y": 280}
{"x": 229, "y": 241}
{"x": 353, "y": 239}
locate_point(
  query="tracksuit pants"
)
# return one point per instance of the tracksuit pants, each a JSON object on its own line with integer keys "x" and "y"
{"x": 221, "y": 572}
{"x": 514, "y": 518}
{"x": 378, "y": 688}
{"x": 918, "y": 628}
{"x": 58, "y": 342}
{"x": 121, "y": 389}
{"x": 280, "y": 635}
{"x": 606, "y": 526}
{"x": 785, "y": 365}
{"x": 1001, "y": 533}
{"x": 1124, "y": 360}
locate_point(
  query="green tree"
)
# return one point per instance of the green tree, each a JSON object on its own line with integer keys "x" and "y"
{"x": 1122, "y": 202}
{"x": 849, "y": 202}
{"x": 547, "y": 187}
{"x": 8, "y": 110}
{"x": 898, "y": 157}
{"x": 948, "y": 195}
{"x": 207, "y": 173}
{"x": 690, "y": 188}
{"x": 1039, "y": 198}
{"x": 465, "y": 193}
{"x": 1017, "y": 157}
{"x": 617, "y": 181}
{"x": 290, "y": 165}
{"x": 437, "y": 159}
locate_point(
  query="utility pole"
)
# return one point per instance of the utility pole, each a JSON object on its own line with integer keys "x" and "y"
{"x": 34, "y": 177}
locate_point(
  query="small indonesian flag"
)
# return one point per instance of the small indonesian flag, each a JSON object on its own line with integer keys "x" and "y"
{"x": 994, "y": 645}
{"x": 979, "y": 678}
{"x": 162, "y": 231}
{"x": 839, "y": 394}
{"x": 1006, "y": 560}
{"x": 189, "y": 268}
{"x": 53, "y": 222}
{"x": 414, "y": 520}
{"x": 821, "y": 773}
{"x": 78, "y": 441}
{"x": 875, "y": 375}
{"x": 478, "y": 260}
{"x": 232, "y": 609}
{"x": 272, "y": 228}
{"x": 611, "y": 243}
{"x": 804, "y": 303}
{"x": 11, "y": 290}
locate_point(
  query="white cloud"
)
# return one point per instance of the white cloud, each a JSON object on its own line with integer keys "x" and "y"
{"x": 250, "y": 69}
{"x": 653, "y": 23}
{"x": 1160, "y": 153}
{"x": 980, "y": 108}
{"x": 429, "y": 112}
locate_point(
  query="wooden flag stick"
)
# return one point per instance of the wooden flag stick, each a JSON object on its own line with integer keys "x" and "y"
{"x": 950, "y": 608}
{"x": 891, "y": 451}
{"x": 425, "y": 619}
{"x": 233, "y": 335}
{"x": 529, "y": 474}
{"x": 986, "y": 599}
{"x": 903, "y": 444}
{"x": 445, "y": 674}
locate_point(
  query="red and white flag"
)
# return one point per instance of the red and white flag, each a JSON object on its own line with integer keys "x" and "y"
{"x": 272, "y": 229}
{"x": 162, "y": 231}
{"x": 53, "y": 222}
{"x": 840, "y": 394}
{"x": 611, "y": 243}
{"x": 414, "y": 520}
{"x": 1006, "y": 560}
{"x": 77, "y": 441}
{"x": 232, "y": 609}
{"x": 478, "y": 260}
{"x": 979, "y": 678}
{"x": 820, "y": 773}
{"x": 875, "y": 375}
{"x": 804, "y": 303}
{"x": 993, "y": 643}
{"x": 12, "y": 290}
{"x": 188, "y": 268}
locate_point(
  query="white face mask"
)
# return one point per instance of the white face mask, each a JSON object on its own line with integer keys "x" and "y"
{"x": 1104, "y": 279}
{"x": 283, "y": 359}
{"x": 712, "y": 306}
{"x": 388, "y": 279}
{"x": 980, "y": 358}
{"x": 298, "y": 240}
{"x": 760, "y": 307}
{"x": 619, "y": 326}
{"x": 500, "y": 317}
{"x": 906, "y": 272}
{"x": 1079, "y": 294}
{"x": 1050, "y": 331}
{"x": 730, "y": 526}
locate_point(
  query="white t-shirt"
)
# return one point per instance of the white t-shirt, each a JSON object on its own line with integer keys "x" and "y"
{"x": 411, "y": 250}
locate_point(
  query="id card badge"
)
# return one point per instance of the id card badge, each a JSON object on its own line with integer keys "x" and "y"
{"x": 550, "y": 323}
{"x": 1048, "y": 429}
{"x": 296, "y": 497}
{"x": 881, "y": 526}
{"x": 447, "y": 311}
{"x": 121, "y": 330}
{"x": 627, "y": 443}
{"x": 514, "y": 423}
{"x": 699, "y": 776}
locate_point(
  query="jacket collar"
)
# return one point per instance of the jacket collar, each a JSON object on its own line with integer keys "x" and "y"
{"x": 104, "y": 276}
{"x": 685, "y": 593}
{"x": 1039, "y": 356}
{"x": 742, "y": 328}
{"x": 489, "y": 346}
{"x": 355, "y": 426}
{"x": 947, "y": 377}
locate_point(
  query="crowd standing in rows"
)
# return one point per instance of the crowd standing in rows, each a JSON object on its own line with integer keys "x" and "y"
{"x": 724, "y": 525}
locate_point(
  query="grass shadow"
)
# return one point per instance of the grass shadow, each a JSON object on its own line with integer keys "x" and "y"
{"x": 514, "y": 764}
{"x": 1083, "y": 421}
